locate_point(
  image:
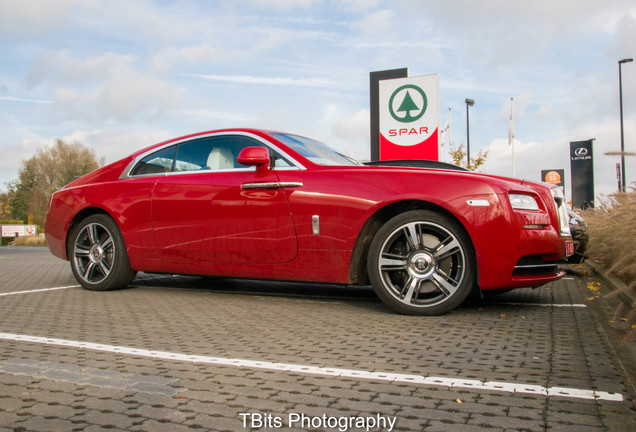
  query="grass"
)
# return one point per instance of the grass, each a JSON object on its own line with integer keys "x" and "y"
{"x": 612, "y": 235}
{"x": 30, "y": 241}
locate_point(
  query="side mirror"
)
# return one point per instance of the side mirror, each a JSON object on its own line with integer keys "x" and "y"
{"x": 255, "y": 156}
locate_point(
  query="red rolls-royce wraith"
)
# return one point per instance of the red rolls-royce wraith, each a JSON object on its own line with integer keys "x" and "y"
{"x": 269, "y": 205}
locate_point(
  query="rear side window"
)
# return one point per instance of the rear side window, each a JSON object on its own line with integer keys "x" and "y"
{"x": 156, "y": 163}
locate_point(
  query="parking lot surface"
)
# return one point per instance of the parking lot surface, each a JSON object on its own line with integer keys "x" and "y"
{"x": 187, "y": 353}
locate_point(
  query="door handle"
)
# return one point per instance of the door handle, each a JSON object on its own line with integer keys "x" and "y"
{"x": 270, "y": 185}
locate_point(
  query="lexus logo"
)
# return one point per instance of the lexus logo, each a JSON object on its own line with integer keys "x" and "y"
{"x": 581, "y": 151}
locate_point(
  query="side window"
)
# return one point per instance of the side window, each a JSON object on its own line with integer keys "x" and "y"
{"x": 213, "y": 153}
{"x": 193, "y": 155}
{"x": 210, "y": 153}
{"x": 155, "y": 163}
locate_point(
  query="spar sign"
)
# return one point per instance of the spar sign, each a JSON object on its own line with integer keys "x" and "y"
{"x": 409, "y": 118}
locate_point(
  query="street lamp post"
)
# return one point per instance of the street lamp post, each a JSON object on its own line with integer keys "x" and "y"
{"x": 620, "y": 91}
{"x": 469, "y": 103}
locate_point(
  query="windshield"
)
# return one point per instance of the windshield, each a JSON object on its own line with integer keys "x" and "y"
{"x": 313, "y": 150}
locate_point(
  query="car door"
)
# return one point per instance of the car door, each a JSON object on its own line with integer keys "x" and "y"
{"x": 207, "y": 210}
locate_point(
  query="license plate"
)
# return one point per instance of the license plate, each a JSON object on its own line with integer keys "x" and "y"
{"x": 569, "y": 248}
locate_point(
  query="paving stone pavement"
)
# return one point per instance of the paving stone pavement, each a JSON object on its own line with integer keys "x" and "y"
{"x": 72, "y": 359}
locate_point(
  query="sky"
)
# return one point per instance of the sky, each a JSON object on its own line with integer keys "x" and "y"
{"x": 119, "y": 75}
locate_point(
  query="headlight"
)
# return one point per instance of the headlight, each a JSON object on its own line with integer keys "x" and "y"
{"x": 523, "y": 202}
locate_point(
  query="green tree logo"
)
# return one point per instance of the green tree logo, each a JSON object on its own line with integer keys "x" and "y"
{"x": 409, "y": 109}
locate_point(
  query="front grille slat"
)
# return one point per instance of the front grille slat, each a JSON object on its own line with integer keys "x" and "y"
{"x": 534, "y": 265}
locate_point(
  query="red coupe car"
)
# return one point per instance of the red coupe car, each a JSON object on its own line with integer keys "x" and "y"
{"x": 268, "y": 205}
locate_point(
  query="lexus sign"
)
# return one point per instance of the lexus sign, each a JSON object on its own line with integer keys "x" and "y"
{"x": 409, "y": 118}
{"x": 582, "y": 171}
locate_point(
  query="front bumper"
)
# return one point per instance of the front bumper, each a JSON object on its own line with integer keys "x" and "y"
{"x": 520, "y": 248}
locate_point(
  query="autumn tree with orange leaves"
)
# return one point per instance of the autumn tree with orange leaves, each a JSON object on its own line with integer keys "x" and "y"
{"x": 49, "y": 169}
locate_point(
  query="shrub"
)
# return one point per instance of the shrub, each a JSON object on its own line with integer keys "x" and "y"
{"x": 28, "y": 240}
{"x": 612, "y": 235}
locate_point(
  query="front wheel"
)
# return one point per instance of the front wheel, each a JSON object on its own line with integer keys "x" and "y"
{"x": 98, "y": 255}
{"x": 422, "y": 263}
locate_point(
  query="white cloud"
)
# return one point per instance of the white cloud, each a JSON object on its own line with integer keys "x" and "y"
{"x": 166, "y": 59}
{"x": 354, "y": 126}
{"x": 25, "y": 100}
{"x": 11, "y": 161}
{"x": 116, "y": 144}
{"x": 101, "y": 87}
{"x": 24, "y": 19}
{"x": 349, "y": 131}
{"x": 62, "y": 67}
{"x": 260, "y": 80}
{"x": 360, "y": 5}
{"x": 377, "y": 22}
{"x": 624, "y": 43}
{"x": 303, "y": 66}
{"x": 499, "y": 33}
{"x": 281, "y": 4}
{"x": 217, "y": 115}
{"x": 123, "y": 97}
{"x": 532, "y": 157}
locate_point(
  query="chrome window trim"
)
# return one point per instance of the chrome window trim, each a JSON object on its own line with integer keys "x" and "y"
{"x": 295, "y": 164}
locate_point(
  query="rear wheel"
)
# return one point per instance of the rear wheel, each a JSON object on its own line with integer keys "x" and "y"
{"x": 422, "y": 263}
{"x": 98, "y": 256}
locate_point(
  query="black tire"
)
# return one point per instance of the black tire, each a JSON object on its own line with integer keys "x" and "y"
{"x": 422, "y": 263}
{"x": 98, "y": 255}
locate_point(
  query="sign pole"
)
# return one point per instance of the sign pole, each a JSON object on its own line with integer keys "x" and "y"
{"x": 374, "y": 107}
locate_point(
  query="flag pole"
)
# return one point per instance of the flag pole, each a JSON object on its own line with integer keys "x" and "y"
{"x": 511, "y": 137}
{"x": 446, "y": 135}
{"x": 450, "y": 129}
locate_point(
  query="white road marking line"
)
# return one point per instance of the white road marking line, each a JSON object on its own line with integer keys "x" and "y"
{"x": 38, "y": 290}
{"x": 327, "y": 371}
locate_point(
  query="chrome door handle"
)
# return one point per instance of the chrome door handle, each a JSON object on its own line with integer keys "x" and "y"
{"x": 270, "y": 185}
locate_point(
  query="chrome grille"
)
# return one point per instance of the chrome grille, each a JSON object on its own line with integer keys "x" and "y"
{"x": 562, "y": 212}
{"x": 534, "y": 265}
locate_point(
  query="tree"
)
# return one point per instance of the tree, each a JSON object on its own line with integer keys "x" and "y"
{"x": 5, "y": 206}
{"x": 458, "y": 157}
{"x": 44, "y": 173}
